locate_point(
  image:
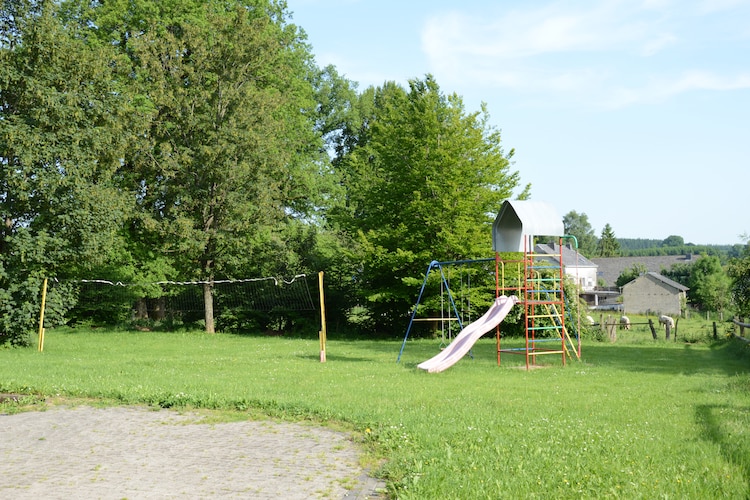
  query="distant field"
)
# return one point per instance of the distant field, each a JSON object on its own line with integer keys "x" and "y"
{"x": 635, "y": 419}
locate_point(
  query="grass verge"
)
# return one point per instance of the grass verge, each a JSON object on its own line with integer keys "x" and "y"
{"x": 634, "y": 419}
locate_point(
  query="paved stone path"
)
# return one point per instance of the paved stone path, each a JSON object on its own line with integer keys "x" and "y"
{"x": 139, "y": 453}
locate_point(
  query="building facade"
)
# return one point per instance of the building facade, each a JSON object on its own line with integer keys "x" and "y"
{"x": 652, "y": 293}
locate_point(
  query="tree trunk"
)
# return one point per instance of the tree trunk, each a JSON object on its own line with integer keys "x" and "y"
{"x": 141, "y": 309}
{"x": 208, "y": 306}
{"x": 159, "y": 310}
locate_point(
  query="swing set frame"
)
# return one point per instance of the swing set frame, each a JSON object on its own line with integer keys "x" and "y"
{"x": 445, "y": 290}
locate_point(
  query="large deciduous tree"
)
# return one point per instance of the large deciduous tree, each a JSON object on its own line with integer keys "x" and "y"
{"x": 65, "y": 125}
{"x": 424, "y": 180}
{"x": 231, "y": 156}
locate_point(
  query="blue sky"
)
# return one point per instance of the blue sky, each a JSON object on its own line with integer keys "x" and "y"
{"x": 634, "y": 112}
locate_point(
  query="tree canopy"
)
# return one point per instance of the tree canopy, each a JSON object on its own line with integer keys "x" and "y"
{"x": 608, "y": 245}
{"x": 628, "y": 275}
{"x": 710, "y": 285}
{"x": 197, "y": 140}
{"x": 578, "y": 225}
{"x": 66, "y": 123}
{"x": 157, "y": 139}
{"x": 739, "y": 271}
{"x": 424, "y": 180}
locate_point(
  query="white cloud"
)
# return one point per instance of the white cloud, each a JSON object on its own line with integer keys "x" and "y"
{"x": 657, "y": 43}
{"x": 613, "y": 54}
{"x": 525, "y": 33}
{"x": 661, "y": 89}
{"x": 711, "y": 6}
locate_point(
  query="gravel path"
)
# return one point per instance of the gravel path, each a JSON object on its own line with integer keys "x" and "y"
{"x": 139, "y": 453}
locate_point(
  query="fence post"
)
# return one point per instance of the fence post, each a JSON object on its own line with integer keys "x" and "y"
{"x": 651, "y": 325}
{"x": 322, "y": 334}
{"x": 612, "y": 329}
{"x": 41, "y": 316}
{"x": 715, "y": 333}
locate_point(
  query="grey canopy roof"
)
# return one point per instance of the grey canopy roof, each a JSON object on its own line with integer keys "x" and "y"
{"x": 518, "y": 219}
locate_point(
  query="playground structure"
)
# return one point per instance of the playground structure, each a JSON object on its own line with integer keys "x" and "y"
{"x": 532, "y": 280}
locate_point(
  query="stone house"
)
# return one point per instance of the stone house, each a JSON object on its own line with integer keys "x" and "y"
{"x": 652, "y": 293}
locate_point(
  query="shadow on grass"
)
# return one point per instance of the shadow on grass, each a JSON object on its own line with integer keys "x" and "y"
{"x": 334, "y": 358}
{"x": 672, "y": 358}
{"x": 724, "y": 426}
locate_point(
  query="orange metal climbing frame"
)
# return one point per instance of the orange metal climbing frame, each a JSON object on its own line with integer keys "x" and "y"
{"x": 537, "y": 280}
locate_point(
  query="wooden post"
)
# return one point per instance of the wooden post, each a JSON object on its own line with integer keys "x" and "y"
{"x": 715, "y": 332}
{"x": 322, "y": 334}
{"x": 651, "y": 325}
{"x": 41, "y": 316}
{"x": 612, "y": 329}
{"x": 668, "y": 328}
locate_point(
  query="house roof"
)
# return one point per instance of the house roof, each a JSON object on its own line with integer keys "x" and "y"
{"x": 662, "y": 279}
{"x": 570, "y": 258}
{"x": 518, "y": 219}
{"x": 610, "y": 268}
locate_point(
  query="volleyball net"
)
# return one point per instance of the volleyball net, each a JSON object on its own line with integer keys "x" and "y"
{"x": 234, "y": 301}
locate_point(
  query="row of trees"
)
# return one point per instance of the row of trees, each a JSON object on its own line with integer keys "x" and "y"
{"x": 589, "y": 245}
{"x": 194, "y": 140}
{"x": 608, "y": 245}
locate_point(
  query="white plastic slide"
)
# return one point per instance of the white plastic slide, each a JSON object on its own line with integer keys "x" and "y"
{"x": 469, "y": 336}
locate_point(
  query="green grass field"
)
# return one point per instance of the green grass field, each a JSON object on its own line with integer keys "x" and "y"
{"x": 635, "y": 419}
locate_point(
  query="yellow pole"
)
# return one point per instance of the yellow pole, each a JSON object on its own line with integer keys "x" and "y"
{"x": 322, "y": 333}
{"x": 41, "y": 316}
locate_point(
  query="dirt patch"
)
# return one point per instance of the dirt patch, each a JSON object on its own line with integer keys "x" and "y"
{"x": 5, "y": 397}
{"x": 119, "y": 452}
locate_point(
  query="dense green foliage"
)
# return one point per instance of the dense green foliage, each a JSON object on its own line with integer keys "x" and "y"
{"x": 710, "y": 285}
{"x": 578, "y": 225}
{"x": 739, "y": 271}
{"x": 640, "y": 248}
{"x": 146, "y": 140}
{"x": 636, "y": 419}
{"x": 198, "y": 141}
{"x": 65, "y": 126}
{"x": 423, "y": 183}
{"x": 630, "y": 274}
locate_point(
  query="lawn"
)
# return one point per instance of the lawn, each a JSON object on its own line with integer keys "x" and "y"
{"x": 634, "y": 419}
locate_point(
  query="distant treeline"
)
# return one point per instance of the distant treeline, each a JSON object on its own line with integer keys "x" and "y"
{"x": 641, "y": 247}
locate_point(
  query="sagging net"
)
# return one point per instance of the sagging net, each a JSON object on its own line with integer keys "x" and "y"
{"x": 111, "y": 302}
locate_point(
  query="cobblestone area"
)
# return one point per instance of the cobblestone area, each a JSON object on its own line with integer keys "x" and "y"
{"x": 139, "y": 453}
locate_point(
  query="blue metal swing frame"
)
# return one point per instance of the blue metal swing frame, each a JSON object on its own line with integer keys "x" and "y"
{"x": 439, "y": 265}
